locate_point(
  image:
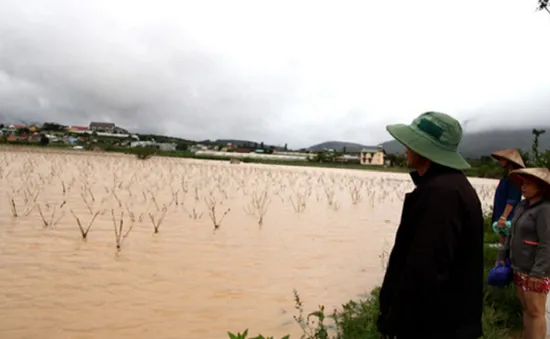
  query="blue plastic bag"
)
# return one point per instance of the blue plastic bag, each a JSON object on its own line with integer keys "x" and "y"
{"x": 501, "y": 275}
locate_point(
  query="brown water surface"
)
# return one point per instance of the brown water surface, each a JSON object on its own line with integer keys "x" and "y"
{"x": 186, "y": 281}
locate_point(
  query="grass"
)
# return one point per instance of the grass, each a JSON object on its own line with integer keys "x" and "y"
{"x": 357, "y": 319}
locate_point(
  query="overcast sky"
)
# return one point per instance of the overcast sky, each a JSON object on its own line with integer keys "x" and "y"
{"x": 296, "y": 72}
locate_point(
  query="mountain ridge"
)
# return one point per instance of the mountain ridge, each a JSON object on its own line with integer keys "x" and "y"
{"x": 483, "y": 143}
{"x": 339, "y": 146}
{"x": 473, "y": 145}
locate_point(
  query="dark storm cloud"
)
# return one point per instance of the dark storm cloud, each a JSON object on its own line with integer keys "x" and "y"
{"x": 277, "y": 74}
{"x": 158, "y": 82}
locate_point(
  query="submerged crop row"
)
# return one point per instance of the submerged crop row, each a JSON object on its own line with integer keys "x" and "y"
{"x": 50, "y": 187}
{"x": 120, "y": 201}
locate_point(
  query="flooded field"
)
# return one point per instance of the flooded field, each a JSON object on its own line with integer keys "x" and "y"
{"x": 203, "y": 247}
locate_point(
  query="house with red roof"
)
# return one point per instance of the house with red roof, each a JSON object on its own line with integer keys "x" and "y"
{"x": 77, "y": 128}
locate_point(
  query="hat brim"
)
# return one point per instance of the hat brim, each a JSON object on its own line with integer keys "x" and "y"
{"x": 501, "y": 157}
{"x": 517, "y": 177}
{"x": 426, "y": 148}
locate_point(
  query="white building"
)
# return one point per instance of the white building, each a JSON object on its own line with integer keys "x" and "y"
{"x": 167, "y": 147}
{"x": 143, "y": 144}
{"x": 253, "y": 155}
{"x": 160, "y": 146}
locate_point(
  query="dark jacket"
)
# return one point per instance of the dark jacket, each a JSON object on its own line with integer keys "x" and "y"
{"x": 506, "y": 193}
{"x": 433, "y": 287}
{"x": 528, "y": 244}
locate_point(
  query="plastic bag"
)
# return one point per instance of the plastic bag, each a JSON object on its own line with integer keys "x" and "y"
{"x": 501, "y": 275}
{"x": 505, "y": 230}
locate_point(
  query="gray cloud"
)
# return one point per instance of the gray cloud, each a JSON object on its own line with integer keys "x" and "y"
{"x": 164, "y": 84}
{"x": 155, "y": 72}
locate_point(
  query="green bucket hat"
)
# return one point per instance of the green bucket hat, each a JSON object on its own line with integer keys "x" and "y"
{"x": 435, "y": 136}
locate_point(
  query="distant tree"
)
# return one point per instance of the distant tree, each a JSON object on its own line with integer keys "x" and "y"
{"x": 397, "y": 160}
{"x": 484, "y": 159}
{"x": 44, "y": 140}
{"x": 53, "y": 127}
{"x": 320, "y": 157}
{"x": 286, "y": 147}
{"x": 262, "y": 145}
{"x": 23, "y": 130}
{"x": 255, "y": 145}
{"x": 525, "y": 156}
{"x": 144, "y": 153}
{"x": 2, "y": 126}
{"x": 538, "y": 159}
{"x": 182, "y": 147}
{"x": 546, "y": 156}
{"x": 344, "y": 150}
{"x": 543, "y": 5}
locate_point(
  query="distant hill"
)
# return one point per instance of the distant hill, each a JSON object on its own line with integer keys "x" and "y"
{"x": 162, "y": 138}
{"x": 475, "y": 145}
{"x": 338, "y": 146}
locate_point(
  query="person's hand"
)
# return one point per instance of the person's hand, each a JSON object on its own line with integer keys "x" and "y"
{"x": 501, "y": 223}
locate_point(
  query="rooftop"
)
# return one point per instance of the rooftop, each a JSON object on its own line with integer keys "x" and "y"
{"x": 102, "y": 124}
{"x": 79, "y": 128}
{"x": 372, "y": 149}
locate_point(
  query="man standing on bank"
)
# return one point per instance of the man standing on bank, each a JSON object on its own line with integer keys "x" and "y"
{"x": 433, "y": 286}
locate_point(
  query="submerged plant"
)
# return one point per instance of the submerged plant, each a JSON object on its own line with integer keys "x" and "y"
{"x": 211, "y": 204}
{"x": 119, "y": 235}
{"x": 158, "y": 221}
{"x": 258, "y": 206}
{"x": 84, "y": 231}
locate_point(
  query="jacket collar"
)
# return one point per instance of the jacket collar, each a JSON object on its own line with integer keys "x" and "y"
{"x": 541, "y": 201}
{"x": 432, "y": 172}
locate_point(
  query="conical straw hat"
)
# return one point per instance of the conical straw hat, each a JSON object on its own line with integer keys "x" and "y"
{"x": 510, "y": 154}
{"x": 542, "y": 174}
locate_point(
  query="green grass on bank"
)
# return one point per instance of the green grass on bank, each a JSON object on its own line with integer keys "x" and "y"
{"x": 357, "y": 319}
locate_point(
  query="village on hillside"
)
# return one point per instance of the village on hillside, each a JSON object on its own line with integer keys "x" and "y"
{"x": 102, "y": 135}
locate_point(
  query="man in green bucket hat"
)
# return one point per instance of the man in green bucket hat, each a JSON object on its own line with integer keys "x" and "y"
{"x": 433, "y": 286}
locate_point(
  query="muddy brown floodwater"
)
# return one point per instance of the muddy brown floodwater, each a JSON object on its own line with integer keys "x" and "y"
{"x": 324, "y": 233}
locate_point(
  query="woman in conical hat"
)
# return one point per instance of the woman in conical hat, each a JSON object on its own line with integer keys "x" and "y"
{"x": 528, "y": 247}
{"x": 507, "y": 196}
